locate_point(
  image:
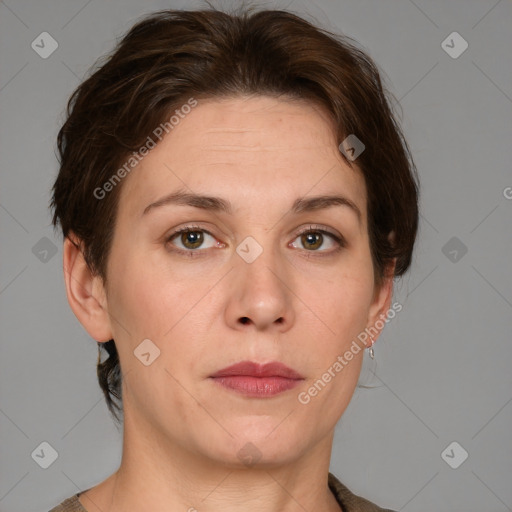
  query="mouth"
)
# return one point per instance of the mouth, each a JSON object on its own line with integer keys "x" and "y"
{"x": 257, "y": 381}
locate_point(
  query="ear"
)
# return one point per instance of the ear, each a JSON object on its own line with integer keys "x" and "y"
{"x": 85, "y": 292}
{"x": 381, "y": 303}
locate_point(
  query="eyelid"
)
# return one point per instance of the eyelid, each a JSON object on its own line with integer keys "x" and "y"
{"x": 320, "y": 228}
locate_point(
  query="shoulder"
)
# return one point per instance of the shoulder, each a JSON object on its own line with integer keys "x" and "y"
{"x": 71, "y": 504}
{"x": 350, "y": 501}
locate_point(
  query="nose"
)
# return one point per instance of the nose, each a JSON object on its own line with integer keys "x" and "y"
{"x": 260, "y": 295}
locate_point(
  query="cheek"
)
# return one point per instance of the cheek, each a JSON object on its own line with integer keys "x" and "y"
{"x": 341, "y": 303}
{"x": 147, "y": 306}
{"x": 138, "y": 301}
{"x": 342, "y": 306}
{"x": 150, "y": 301}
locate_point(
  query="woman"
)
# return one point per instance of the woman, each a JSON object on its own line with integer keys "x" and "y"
{"x": 236, "y": 198}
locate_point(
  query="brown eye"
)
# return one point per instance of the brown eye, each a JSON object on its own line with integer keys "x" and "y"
{"x": 194, "y": 238}
{"x": 189, "y": 238}
{"x": 312, "y": 240}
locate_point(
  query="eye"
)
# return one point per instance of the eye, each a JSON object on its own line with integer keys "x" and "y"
{"x": 190, "y": 238}
{"x": 314, "y": 238}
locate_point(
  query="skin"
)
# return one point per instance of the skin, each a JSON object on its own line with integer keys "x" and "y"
{"x": 182, "y": 431}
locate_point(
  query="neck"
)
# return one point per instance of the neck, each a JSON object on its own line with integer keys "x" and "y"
{"x": 161, "y": 475}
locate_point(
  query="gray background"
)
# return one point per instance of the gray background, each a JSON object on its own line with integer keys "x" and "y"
{"x": 442, "y": 369}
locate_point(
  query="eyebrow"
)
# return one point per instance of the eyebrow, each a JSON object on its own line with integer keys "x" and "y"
{"x": 217, "y": 204}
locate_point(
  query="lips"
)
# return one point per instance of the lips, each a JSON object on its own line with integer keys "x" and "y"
{"x": 250, "y": 369}
{"x": 257, "y": 381}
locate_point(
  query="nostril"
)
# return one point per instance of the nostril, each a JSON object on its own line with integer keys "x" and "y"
{"x": 244, "y": 320}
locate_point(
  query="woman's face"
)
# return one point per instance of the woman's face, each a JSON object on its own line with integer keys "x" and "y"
{"x": 244, "y": 284}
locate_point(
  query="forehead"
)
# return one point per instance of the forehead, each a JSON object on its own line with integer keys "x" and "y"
{"x": 258, "y": 149}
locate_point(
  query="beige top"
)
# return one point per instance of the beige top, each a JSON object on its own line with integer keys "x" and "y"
{"x": 348, "y": 501}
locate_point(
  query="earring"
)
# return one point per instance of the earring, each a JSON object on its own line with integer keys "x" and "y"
{"x": 370, "y": 349}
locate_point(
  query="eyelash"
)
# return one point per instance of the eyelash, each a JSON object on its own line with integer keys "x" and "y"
{"x": 194, "y": 253}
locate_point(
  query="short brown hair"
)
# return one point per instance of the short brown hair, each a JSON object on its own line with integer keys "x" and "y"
{"x": 172, "y": 55}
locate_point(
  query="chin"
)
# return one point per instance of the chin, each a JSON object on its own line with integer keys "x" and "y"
{"x": 256, "y": 446}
